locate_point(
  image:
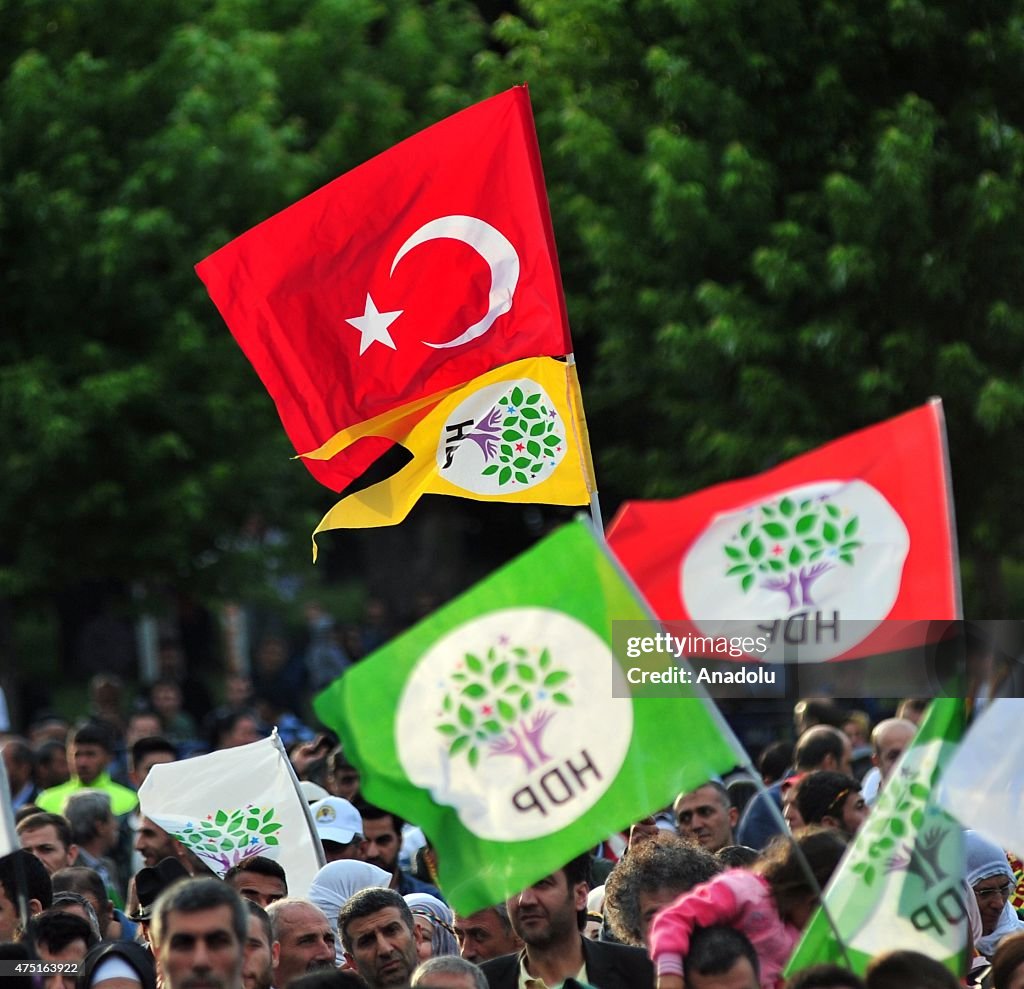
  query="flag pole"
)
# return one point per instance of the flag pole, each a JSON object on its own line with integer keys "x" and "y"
{"x": 583, "y": 442}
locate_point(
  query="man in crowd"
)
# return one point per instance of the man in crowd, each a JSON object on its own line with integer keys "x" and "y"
{"x": 200, "y": 928}
{"x": 38, "y": 891}
{"x": 889, "y": 741}
{"x": 259, "y": 879}
{"x": 721, "y": 958}
{"x": 61, "y": 937}
{"x": 820, "y": 747}
{"x": 114, "y": 925}
{"x": 258, "y": 963}
{"x": 549, "y": 916}
{"x": 382, "y": 841}
{"x": 89, "y": 754}
{"x": 19, "y": 762}
{"x": 378, "y": 934}
{"x": 831, "y": 799}
{"x": 340, "y": 828}
{"x": 486, "y": 934}
{"x": 48, "y": 838}
{"x": 706, "y": 815}
{"x": 303, "y": 940}
{"x": 448, "y": 972}
{"x": 94, "y": 831}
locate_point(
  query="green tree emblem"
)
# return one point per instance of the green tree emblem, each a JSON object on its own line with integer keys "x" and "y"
{"x": 225, "y": 838}
{"x": 502, "y": 701}
{"x": 520, "y": 434}
{"x": 788, "y": 545}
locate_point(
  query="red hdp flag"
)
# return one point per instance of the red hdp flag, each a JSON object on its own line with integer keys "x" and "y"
{"x": 850, "y": 536}
{"x": 419, "y": 270}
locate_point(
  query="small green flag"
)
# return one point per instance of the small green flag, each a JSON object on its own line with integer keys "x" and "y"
{"x": 900, "y": 884}
{"x": 503, "y": 725}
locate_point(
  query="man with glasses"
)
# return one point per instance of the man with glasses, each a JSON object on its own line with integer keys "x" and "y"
{"x": 990, "y": 876}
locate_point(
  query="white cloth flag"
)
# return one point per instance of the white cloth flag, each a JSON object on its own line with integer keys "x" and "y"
{"x": 234, "y": 804}
{"x": 8, "y": 836}
{"x": 983, "y": 787}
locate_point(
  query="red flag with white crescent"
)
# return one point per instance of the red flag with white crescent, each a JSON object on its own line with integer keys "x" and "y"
{"x": 419, "y": 270}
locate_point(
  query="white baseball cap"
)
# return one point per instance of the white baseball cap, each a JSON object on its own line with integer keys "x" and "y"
{"x": 337, "y": 820}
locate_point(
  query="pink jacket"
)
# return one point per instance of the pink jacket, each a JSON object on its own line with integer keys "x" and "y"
{"x": 736, "y": 898}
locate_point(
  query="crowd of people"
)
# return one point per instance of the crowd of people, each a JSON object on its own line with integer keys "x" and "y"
{"x": 710, "y": 893}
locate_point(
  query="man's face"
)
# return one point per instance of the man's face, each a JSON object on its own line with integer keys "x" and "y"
{"x": 153, "y": 843}
{"x": 740, "y": 976}
{"x": 483, "y": 935}
{"x": 45, "y": 844}
{"x": 383, "y": 948}
{"x": 73, "y": 952}
{"x": 18, "y": 773}
{"x": 545, "y": 913}
{"x": 854, "y": 813}
{"x": 650, "y": 902}
{"x": 703, "y": 816}
{"x": 381, "y": 843}
{"x": 892, "y": 743}
{"x": 335, "y": 851}
{"x": 9, "y": 921}
{"x": 200, "y": 950}
{"x": 306, "y": 943}
{"x": 89, "y": 761}
{"x": 344, "y": 782}
{"x": 261, "y": 889}
{"x": 257, "y": 972}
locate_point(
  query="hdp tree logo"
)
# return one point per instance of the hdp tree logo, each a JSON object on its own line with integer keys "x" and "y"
{"x": 225, "y": 838}
{"x": 521, "y": 432}
{"x": 503, "y": 702}
{"x": 788, "y": 545}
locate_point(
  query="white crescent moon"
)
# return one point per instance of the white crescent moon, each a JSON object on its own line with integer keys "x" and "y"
{"x": 493, "y": 246}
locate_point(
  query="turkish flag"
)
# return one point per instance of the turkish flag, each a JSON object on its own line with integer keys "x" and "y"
{"x": 419, "y": 270}
{"x": 855, "y": 535}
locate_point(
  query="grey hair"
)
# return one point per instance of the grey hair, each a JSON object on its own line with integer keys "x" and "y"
{"x": 193, "y": 895}
{"x": 449, "y": 965}
{"x": 84, "y": 810}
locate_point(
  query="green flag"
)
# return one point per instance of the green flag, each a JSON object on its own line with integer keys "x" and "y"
{"x": 503, "y": 725}
{"x": 900, "y": 884}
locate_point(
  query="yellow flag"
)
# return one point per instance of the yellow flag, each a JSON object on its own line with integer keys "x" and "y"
{"x": 516, "y": 433}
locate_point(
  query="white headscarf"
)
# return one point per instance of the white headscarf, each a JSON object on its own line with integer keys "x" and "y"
{"x": 336, "y": 883}
{"x": 985, "y": 859}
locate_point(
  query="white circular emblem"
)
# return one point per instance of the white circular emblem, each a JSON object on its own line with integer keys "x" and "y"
{"x": 505, "y": 437}
{"x": 833, "y": 548}
{"x": 511, "y": 719}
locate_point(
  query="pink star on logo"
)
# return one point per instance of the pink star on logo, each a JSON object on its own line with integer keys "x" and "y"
{"x": 777, "y": 550}
{"x": 487, "y": 709}
{"x": 519, "y": 448}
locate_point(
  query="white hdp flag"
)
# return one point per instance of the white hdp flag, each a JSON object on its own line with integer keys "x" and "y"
{"x": 234, "y": 804}
{"x": 983, "y": 787}
{"x": 8, "y": 836}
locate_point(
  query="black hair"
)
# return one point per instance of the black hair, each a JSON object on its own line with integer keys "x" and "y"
{"x": 37, "y": 879}
{"x": 57, "y": 929}
{"x": 261, "y": 866}
{"x": 714, "y": 950}
{"x": 366, "y": 902}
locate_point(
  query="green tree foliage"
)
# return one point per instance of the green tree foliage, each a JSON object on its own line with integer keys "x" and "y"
{"x": 137, "y": 138}
{"x": 780, "y": 222}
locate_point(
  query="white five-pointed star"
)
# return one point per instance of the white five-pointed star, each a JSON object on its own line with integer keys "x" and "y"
{"x": 373, "y": 325}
